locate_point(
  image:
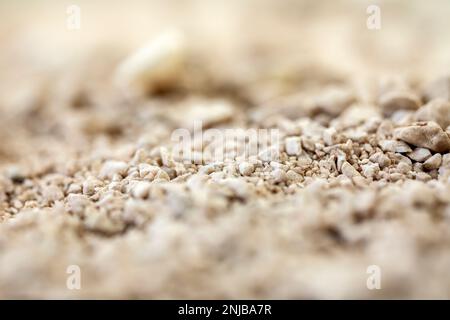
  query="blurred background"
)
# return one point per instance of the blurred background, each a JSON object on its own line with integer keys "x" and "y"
{"x": 413, "y": 34}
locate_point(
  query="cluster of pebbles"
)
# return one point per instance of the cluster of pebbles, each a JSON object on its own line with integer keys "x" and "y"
{"x": 353, "y": 182}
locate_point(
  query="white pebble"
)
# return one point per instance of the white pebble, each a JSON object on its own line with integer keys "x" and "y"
{"x": 419, "y": 154}
{"x": 110, "y": 168}
{"x": 279, "y": 175}
{"x": 141, "y": 189}
{"x": 270, "y": 154}
{"x": 293, "y": 146}
{"x": 246, "y": 168}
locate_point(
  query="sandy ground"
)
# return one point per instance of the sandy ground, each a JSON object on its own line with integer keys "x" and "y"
{"x": 94, "y": 203}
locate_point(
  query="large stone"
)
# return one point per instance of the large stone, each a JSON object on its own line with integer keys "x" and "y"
{"x": 426, "y": 135}
{"x": 437, "y": 110}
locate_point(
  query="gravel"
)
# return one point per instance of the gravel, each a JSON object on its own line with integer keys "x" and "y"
{"x": 350, "y": 169}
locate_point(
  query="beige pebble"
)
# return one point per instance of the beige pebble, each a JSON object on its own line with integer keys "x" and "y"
{"x": 394, "y": 146}
{"x": 397, "y": 157}
{"x": 381, "y": 159}
{"x": 404, "y": 167}
{"x": 370, "y": 170}
{"x": 348, "y": 170}
{"x": 293, "y": 176}
{"x": 425, "y": 134}
{"x": 396, "y": 176}
{"x": 419, "y": 154}
{"x": 308, "y": 143}
{"x": 162, "y": 175}
{"x": 433, "y": 162}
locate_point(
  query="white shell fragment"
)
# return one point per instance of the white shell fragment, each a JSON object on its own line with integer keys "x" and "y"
{"x": 155, "y": 66}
